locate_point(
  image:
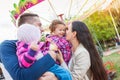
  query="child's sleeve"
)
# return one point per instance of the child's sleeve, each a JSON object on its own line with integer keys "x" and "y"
{"x": 26, "y": 56}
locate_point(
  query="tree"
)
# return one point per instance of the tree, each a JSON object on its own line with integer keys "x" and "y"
{"x": 100, "y": 25}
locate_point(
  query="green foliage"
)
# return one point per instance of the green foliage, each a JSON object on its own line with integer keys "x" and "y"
{"x": 42, "y": 39}
{"x": 100, "y": 24}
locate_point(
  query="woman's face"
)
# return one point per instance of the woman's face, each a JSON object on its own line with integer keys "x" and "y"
{"x": 69, "y": 33}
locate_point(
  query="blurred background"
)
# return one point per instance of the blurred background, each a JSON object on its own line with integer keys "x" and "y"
{"x": 101, "y": 16}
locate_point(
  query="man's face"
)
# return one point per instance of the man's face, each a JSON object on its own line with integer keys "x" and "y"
{"x": 37, "y": 23}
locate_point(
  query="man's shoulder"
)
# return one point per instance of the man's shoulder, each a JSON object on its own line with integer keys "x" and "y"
{"x": 8, "y": 42}
{"x": 7, "y": 46}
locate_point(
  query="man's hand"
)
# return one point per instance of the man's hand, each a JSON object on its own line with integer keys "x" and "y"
{"x": 53, "y": 46}
{"x": 53, "y": 54}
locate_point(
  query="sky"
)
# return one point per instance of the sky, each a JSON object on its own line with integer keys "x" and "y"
{"x": 8, "y": 30}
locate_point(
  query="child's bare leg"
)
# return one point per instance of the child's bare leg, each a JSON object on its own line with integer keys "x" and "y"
{"x": 48, "y": 76}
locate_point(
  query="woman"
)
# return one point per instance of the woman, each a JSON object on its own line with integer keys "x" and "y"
{"x": 85, "y": 63}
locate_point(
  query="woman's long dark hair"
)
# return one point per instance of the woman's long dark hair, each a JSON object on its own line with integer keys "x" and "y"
{"x": 84, "y": 37}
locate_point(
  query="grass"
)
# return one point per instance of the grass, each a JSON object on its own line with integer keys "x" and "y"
{"x": 115, "y": 60}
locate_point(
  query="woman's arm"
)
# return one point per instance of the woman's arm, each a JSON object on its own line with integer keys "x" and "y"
{"x": 61, "y": 60}
{"x": 10, "y": 61}
{"x": 80, "y": 64}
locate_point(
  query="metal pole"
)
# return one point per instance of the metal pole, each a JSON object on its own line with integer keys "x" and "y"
{"x": 114, "y": 24}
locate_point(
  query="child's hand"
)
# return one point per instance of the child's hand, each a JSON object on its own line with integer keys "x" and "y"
{"x": 48, "y": 76}
{"x": 49, "y": 39}
{"x": 53, "y": 46}
{"x": 34, "y": 46}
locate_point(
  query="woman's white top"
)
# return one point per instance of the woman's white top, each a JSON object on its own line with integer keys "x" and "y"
{"x": 79, "y": 65}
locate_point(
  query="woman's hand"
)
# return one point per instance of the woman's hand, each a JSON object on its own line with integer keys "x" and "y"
{"x": 48, "y": 76}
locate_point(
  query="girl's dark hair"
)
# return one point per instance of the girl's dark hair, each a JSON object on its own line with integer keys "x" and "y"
{"x": 54, "y": 24}
{"x": 84, "y": 37}
{"x": 26, "y": 17}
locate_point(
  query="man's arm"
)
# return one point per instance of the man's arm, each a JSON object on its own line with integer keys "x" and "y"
{"x": 10, "y": 61}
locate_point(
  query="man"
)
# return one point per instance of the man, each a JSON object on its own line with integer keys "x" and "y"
{"x": 9, "y": 59}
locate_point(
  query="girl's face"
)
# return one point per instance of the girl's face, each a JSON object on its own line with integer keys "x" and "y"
{"x": 60, "y": 30}
{"x": 69, "y": 33}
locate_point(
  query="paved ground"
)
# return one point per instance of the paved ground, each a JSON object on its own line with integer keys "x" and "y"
{"x": 110, "y": 51}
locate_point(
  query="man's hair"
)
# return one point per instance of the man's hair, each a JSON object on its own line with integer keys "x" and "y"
{"x": 27, "y": 18}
